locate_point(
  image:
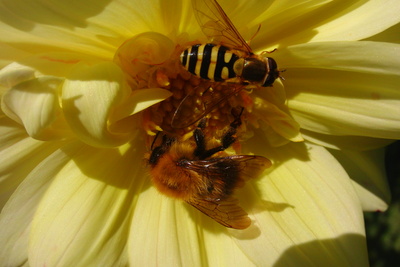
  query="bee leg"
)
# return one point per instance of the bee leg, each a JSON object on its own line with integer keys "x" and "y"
{"x": 200, "y": 139}
{"x": 157, "y": 152}
{"x": 227, "y": 140}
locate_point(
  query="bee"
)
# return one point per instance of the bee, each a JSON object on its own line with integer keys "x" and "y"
{"x": 200, "y": 176}
{"x": 231, "y": 60}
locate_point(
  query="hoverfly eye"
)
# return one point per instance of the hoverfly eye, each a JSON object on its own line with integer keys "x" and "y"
{"x": 273, "y": 72}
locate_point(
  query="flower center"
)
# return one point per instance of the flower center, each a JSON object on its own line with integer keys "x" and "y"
{"x": 151, "y": 62}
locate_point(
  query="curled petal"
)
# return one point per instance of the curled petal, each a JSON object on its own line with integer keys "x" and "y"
{"x": 140, "y": 100}
{"x": 90, "y": 96}
{"x": 14, "y": 74}
{"x": 35, "y": 105}
{"x": 279, "y": 121}
{"x": 143, "y": 51}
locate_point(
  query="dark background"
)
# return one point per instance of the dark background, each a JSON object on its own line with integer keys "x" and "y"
{"x": 383, "y": 229}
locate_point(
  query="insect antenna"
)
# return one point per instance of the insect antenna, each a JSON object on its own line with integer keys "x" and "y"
{"x": 255, "y": 34}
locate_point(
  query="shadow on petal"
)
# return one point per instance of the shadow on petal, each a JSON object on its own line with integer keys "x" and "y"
{"x": 56, "y": 13}
{"x": 346, "y": 250}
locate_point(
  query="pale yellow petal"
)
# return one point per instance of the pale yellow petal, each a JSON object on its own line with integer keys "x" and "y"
{"x": 359, "y": 57}
{"x": 95, "y": 29}
{"x": 58, "y": 64}
{"x": 367, "y": 170}
{"x": 144, "y": 98}
{"x": 356, "y": 92}
{"x": 35, "y": 105}
{"x": 35, "y": 66}
{"x": 92, "y": 196}
{"x": 19, "y": 154}
{"x": 43, "y": 26}
{"x": 154, "y": 231}
{"x": 357, "y": 21}
{"x": 16, "y": 216}
{"x": 317, "y": 21}
{"x": 26, "y": 167}
{"x": 178, "y": 235}
{"x": 346, "y": 142}
{"x": 9, "y": 54}
{"x": 305, "y": 211}
{"x": 277, "y": 19}
{"x": 390, "y": 35}
{"x": 14, "y": 74}
{"x": 90, "y": 96}
{"x": 278, "y": 120}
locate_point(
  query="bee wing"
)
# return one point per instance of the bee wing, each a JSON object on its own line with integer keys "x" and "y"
{"x": 226, "y": 212}
{"x": 190, "y": 110}
{"x": 245, "y": 167}
{"x": 222, "y": 176}
{"x": 217, "y": 26}
{"x": 251, "y": 166}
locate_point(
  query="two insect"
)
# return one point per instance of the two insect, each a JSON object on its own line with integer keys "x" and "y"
{"x": 187, "y": 170}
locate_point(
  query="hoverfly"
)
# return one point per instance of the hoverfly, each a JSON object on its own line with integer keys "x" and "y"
{"x": 231, "y": 61}
{"x": 188, "y": 171}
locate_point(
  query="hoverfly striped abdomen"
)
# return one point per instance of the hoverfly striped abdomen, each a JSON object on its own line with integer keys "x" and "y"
{"x": 229, "y": 59}
{"x": 210, "y": 61}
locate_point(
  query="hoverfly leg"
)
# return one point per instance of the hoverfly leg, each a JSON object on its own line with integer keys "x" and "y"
{"x": 269, "y": 52}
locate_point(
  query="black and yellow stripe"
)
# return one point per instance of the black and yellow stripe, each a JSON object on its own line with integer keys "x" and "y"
{"x": 210, "y": 61}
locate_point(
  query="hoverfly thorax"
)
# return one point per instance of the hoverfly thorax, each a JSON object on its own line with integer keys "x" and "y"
{"x": 260, "y": 71}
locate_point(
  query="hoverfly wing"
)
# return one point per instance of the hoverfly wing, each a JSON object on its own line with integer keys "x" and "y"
{"x": 187, "y": 113}
{"x": 190, "y": 110}
{"x": 226, "y": 212}
{"x": 217, "y": 26}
